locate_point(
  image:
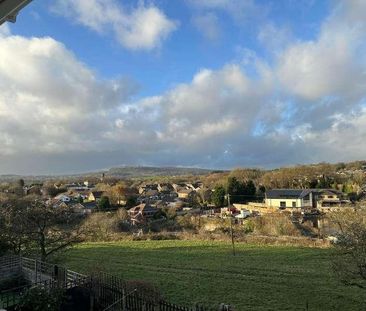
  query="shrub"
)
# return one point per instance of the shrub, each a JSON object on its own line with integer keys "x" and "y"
{"x": 124, "y": 226}
{"x": 16, "y": 280}
{"x": 104, "y": 203}
{"x": 40, "y": 299}
{"x": 249, "y": 226}
{"x": 275, "y": 225}
{"x": 4, "y": 247}
{"x": 100, "y": 226}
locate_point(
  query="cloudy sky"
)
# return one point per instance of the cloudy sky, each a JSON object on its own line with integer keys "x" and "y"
{"x": 91, "y": 84}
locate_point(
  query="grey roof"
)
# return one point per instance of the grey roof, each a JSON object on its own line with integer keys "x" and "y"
{"x": 284, "y": 193}
{"x": 296, "y": 193}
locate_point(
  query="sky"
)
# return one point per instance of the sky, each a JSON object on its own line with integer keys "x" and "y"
{"x": 90, "y": 84}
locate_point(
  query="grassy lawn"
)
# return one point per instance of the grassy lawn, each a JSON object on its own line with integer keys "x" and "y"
{"x": 257, "y": 278}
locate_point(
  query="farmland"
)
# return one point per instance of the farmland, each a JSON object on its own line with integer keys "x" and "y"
{"x": 257, "y": 278}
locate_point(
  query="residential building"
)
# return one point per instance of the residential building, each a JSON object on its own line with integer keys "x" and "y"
{"x": 185, "y": 194}
{"x": 304, "y": 198}
{"x": 95, "y": 195}
{"x": 141, "y": 213}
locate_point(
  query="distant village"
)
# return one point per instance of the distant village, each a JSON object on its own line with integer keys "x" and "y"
{"x": 144, "y": 202}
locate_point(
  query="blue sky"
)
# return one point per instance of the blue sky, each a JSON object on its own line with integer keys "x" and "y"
{"x": 186, "y": 50}
{"x": 212, "y": 83}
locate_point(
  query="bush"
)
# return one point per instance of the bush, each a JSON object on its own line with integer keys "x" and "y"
{"x": 17, "y": 280}
{"x": 100, "y": 226}
{"x": 4, "y": 247}
{"x": 249, "y": 226}
{"x": 124, "y": 226}
{"x": 40, "y": 299}
{"x": 275, "y": 225}
{"x": 104, "y": 203}
{"x": 164, "y": 237}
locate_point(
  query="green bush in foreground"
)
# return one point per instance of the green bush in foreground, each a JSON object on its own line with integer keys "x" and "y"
{"x": 38, "y": 299}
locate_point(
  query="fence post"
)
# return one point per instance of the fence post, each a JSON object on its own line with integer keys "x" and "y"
{"x": 36, "y": 270}
{"x": 123, "y": 299}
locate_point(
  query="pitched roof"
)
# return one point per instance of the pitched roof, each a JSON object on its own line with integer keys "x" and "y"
{"x": 97, "y": 194}
{"x": 297, "y": 193}
{"x": 284, "y": 193}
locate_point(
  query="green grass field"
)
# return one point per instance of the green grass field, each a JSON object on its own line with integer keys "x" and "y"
{"x": 257, "y": 278}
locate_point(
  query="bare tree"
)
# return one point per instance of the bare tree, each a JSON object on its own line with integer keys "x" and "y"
{"x": 47, "y": 228}
{"x": 349, "y": 262}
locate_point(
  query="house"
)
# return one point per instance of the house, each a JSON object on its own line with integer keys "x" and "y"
{"x": 195, "y": 186}
{"x": 146, "y": 188}
{"x": 95, "y": 195}
{"x": 63, "y": 198}
{"x": 141, "y": 213}
{"x": 178, "y": 187}
{"x": 151, "y": 193}
{"x": 330, "y": 198}
{"x": 79, "y": 208}
{"x": 303, "y": 198}
{"x": 79, "y": 194}
{"x": 57, "y": 203}
{"x": 165, "y": 188}
{"x": 83, "y": 208}
{"x": 185, "y": 194}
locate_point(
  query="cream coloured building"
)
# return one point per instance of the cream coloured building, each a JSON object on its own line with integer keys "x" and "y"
{"x": 304, "y": 198}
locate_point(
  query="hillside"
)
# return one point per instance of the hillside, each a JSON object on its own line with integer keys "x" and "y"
{"x": 120, "y": 172}
{"x": 146, "y": 171}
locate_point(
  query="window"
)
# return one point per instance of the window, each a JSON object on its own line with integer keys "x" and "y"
{"x": 294, "y": 204}
{"x": 283, "y": 204}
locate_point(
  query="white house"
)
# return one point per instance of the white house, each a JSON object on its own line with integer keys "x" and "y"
{"x": 63, "y": 198}
{"x": 304, "y": 198}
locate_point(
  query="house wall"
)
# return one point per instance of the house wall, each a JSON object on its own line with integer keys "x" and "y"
{"x": 255, "y": 207}
{"x": 276, "y": 203}
{"x": 183, "y": 195}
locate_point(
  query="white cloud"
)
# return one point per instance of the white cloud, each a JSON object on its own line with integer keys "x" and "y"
{"x": 208, "y": 25}
{"x": 144, "y": 27}
{"x": 4, "y": 30}
{"x": 307, "y": 106}
{"x": 275, "y": 38}
{"x": 240, "y": 10}
{"x": 49, "y": 101}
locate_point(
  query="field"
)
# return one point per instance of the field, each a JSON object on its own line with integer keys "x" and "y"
{"x": 257, "y": 278}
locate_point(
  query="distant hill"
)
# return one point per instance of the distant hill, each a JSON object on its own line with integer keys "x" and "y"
{"x": 146, "y": 171}
{"x": 119, "y": 172}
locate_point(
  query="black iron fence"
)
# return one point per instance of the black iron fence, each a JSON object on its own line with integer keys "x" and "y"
{"x": 107, "y": 292}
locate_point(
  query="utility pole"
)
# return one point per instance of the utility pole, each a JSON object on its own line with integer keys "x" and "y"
{"x": 231, "y": 225}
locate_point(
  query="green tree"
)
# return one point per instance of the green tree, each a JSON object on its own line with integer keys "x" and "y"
{"x": 131, "y": 201}
{"x": 324, "y": 182}
{"x": 104, "y": 203}
{"x": 236, "y": 189}
{"x": 218, "y": 196}
{"x": 250, "y": 190}
{"x": 240, "y": 191}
